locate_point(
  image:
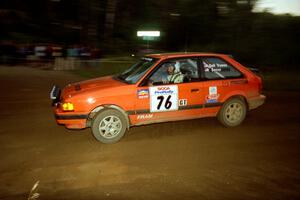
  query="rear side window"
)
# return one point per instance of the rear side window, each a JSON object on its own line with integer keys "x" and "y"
{"x": 216, "y": 68}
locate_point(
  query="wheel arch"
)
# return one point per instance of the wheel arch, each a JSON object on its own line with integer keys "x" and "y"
{"x": 240, "y": 96}
{"x": 99, "y": 108}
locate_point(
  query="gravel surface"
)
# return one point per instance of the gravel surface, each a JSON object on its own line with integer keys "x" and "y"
{"x": 195, "y": 159}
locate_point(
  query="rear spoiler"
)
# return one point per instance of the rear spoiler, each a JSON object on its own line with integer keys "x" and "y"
{"x": 256, "y": 71}
{"x": 252, "y": 69}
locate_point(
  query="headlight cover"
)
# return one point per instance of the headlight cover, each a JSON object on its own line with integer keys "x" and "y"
{"x": 67, "y": 106}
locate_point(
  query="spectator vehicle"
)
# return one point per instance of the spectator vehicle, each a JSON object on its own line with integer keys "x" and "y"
{"x": 207, "y": 85}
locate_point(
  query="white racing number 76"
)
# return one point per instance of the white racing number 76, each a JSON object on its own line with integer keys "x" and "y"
{"x": 163, "y": 98}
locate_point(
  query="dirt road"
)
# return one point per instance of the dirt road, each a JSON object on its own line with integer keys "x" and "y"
{"x": 196, "y": 159}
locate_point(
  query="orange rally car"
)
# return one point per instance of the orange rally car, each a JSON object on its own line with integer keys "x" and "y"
{"x": 159, "y": 88}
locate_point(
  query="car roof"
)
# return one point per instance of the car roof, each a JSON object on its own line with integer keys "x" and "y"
{"x": 182, "y": 54}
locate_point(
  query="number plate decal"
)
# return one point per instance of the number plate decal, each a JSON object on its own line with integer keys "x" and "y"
{"x": 163, "y": 98}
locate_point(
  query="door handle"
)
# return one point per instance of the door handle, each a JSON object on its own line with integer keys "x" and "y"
{"x": 225, "y": 83}
{"x": 195, "y": 90}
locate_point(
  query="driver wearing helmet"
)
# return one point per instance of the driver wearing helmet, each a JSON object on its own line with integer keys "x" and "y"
{"x": 174, "y": 74}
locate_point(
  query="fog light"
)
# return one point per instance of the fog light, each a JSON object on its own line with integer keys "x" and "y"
{"x": 68, "y": 106}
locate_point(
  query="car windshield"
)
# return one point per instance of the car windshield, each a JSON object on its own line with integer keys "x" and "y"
{"x": 136, "y": 71}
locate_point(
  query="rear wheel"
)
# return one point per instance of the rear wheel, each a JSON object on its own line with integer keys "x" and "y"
{"x": 233, "y": 112}
{"x": 109, "y": 126}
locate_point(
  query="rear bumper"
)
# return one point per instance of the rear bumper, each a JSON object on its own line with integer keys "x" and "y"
{"x": 256, "y": 101}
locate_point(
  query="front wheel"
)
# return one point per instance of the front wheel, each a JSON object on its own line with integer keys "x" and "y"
{"x": 233, "y": 112}
{"x": 109, "y": 126}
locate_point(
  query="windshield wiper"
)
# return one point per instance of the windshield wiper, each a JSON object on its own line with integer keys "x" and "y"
{"x": 120, "y": 78}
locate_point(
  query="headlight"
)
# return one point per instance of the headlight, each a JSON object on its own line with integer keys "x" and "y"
{"x": 67, "y": 106}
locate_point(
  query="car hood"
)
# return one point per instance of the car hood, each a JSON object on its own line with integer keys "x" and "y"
{"x": 91, "y": 85}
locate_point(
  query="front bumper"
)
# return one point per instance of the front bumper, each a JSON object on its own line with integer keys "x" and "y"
{"x": 72, "y": 120}
{"x": 256, "y": 101}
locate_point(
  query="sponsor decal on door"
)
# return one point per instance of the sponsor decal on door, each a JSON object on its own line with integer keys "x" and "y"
{"x": 163, "y": 98}
{"x": 213, "y": 95}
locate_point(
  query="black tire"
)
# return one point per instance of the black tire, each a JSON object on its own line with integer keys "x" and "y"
{"x": 233, "y": 112}
{"x": 109, "y": 126}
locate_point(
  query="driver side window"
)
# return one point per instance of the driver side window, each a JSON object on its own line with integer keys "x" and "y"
{"x": 181, "y": 70}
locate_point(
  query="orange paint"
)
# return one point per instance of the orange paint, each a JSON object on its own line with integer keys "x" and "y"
{"x": 203, "y": 98}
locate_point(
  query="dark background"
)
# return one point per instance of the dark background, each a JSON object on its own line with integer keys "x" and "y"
{"x": 226, "y": 26}
{"x": 194, "y": 159}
